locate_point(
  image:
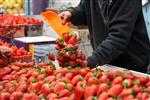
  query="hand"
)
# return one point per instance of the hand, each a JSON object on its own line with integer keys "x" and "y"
{"x": 66, "y": 15}
{"x": 5, "y": 53}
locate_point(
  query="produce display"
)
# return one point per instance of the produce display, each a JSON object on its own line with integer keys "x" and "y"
{"x": 69, "y": 81}
{"x": 18, "y": 54}
{"x": 12, "y": 6}
{"x": 18, "y": 25}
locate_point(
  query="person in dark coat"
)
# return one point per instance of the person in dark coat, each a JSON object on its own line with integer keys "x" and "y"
{"x": 117, "y": 29}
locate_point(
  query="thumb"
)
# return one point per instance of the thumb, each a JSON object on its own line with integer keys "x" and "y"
{"x": 65, "y": 19}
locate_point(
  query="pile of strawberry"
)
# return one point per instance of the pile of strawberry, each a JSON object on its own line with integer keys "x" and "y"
{"x": 12, "y": 24}
{"x": 43, "y": 82}
{"x": 18, "y": 54}
{"x": 68, "y": 53}
{"x": 12, "y": 20}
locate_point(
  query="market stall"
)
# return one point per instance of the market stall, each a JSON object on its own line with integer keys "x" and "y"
{"x": 42, "y": 67}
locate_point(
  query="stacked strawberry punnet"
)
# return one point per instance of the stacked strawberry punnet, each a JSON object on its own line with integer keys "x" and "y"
{"x": 68, "y": 53}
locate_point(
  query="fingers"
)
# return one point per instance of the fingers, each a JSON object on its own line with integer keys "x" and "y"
{"x": 65, "y": 16}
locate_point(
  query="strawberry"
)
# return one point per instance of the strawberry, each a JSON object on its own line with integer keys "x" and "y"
{"x": 114, "y": 74}
{"x": 26, "y": 96}
{"x": 76, "y": 79}
{"x": 46, "y": 89}
{"x": 51, "y": 57}
{"x": 117, "y": 80}
{"x": 90, "y": 91}
{"x": 66, "y": 37}
{"x": 115, "y": 90}
{"x": 52, "y": 96}
{"x": 64, "y": 98}
{"x": 101, "y": 88}
{"x": 16, "y": 96}
{"x": 69, "y": 76}
{"x": 127, "y": 92}
{"x": 59, "y": 86}
{"x": 88, "y": 75}
{"x": 4, "y": 96}
{"x": 64, "y": 71}
{"x": 50, "y": 79}
{"x": 92, "y": 81}
{"x": 83, "y": 72}
{"x": 75, "y": 72}
{"x": 127, "y": 83}
{"x": 143, "y": 80}
{"x": 72, "y": 63}
{"x": 72, "y": 41}
{"x": 145, "y": 96}
{"x": 103, "y": 79}
{"x": 15, "y": 68}
{"x": 22, "y": 88}
{"x": 73, "y": 57}
{"x": 79, "y": 91}
{"x": 103, "y": 96}
{"x": 64, "y": 93}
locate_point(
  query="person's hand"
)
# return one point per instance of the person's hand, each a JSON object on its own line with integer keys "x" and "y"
{"x": 5, "y": 53}
{"x": 66, "y": 15}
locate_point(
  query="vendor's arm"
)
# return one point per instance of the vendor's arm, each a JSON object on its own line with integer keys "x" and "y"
{"x": 78, "y": 14}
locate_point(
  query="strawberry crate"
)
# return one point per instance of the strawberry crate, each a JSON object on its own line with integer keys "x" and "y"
{"x": 23, "y": 58}
{"x": 12, "y": 31}
{"x": 33, "y": 29}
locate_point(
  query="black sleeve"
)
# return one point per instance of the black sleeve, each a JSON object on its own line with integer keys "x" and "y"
{"x": 122, "y": 18}
{"x": 78, "y": 14}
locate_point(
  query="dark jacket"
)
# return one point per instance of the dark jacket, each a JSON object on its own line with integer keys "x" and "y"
{"x": 118, "y": 32}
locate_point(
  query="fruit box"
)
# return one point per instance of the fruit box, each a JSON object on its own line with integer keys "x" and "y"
{"x": 12, "y": 31}
{"x": 18, "y": 31}
{"x": 108, "y": 67}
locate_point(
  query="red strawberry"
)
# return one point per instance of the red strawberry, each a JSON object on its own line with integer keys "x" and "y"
{"x": 50, "y": 79}
{"x": 16, "y": 96}
{"x": 90, "y": 91}
{"x": 88, "y": 75}
{"x": 83, "y": 72}
{"x": 101, "y": 88}
{"x": 26, "y": 96}
{"x": 79, "y": 91}
{"x": 51, "y": 57}
{"x": 69, "y": 76}
{"x": 117, "y": 80}
{"x": 127, "y": 83}
{"x": 66, "y": 37}
{"x": 59, "y": 86}
{"x": 4, "y": 96}
{"x": 76, "y": 79}
{"x": 15, "y": 68}
{"x": 64, "y": 93}
{"x": 143, "y": 80}
{"x": 73, "y": 57}
{"x": 72, "y": 63}
{"x": 52, "y": 96}
{"x": 92, "y": 81}
{"x": 64, "y": 98}
{"x": 75, "y": 72}
{"x": 72, "y": 41}
{"x": 103, "y": 96}
{"x": 114, "y": 74}
{"x": 46, "y": 89}
{"x": 145, "y": 96}
{"x": 115, "y": 90}
{"x": 103, "y": 79}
